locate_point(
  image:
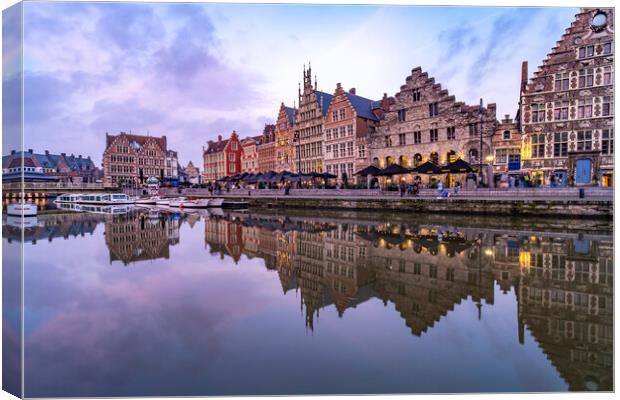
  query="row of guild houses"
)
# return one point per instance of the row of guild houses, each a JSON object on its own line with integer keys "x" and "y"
{"x": 562, "y": 131}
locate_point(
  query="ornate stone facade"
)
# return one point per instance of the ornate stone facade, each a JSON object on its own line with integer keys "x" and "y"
{"x": 308, "y": 127}
{"x": 284, "y": 138}
{"x": 567, "y": 106}
{"x": 425, "y": 122}
{"x": 266, "y": 149}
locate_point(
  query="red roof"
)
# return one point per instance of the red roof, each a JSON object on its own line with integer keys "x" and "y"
{"x": 17, "y": 163}
{"x": 217, "y": 146}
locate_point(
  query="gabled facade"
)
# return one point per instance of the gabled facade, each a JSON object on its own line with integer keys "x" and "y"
{"x": 132, "y": 159}
{"x": 567, "y": 106}
{"x": 284, "y": 138}
{"x": 249, "y": 158}
{"x": 348, "y": 121}
{"x": 308, "y": 127}
{"x": 267, "y": 149}
{"x": 507, "y": 146}
{"x": 222, "y": 157}
{"x": 193, "y": 174}
{"x": 425, "y": 122}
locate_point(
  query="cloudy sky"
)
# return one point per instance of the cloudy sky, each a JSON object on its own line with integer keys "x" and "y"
{"x": 193, "y": 71}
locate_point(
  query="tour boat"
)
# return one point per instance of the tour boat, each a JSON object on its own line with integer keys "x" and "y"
{"x": 22, "y": 209}
{"x": 95, "y": 198}
{"x": 163, "y": 202}
{"x": 105, "y": 209}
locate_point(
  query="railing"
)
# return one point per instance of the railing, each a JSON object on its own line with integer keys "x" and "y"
{"x": 51, "y": 186}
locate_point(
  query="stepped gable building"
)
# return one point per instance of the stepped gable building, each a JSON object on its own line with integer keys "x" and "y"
{"x": 308, "y": 128}
{"x": 284, "y": 138}
{"x": 567, "y": 106}
{"x": 426, "y": 123}
{"x": 348, "y": 121}
{"x": 222, "y": 157}
{"x": 267, "y": 149}
{"x": 507, "y": 146}
{"x": 132, "y": 159}
{"x": 193, "y": 174}
{"x": 249, "y": 158}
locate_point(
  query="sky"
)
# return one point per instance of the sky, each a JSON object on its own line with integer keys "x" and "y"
{"x": 195, "y": 71}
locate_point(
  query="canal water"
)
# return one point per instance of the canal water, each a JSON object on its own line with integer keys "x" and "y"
{"x": 157, "y": 302}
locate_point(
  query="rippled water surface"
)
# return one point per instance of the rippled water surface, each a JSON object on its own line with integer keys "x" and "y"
{"x": 215, "y": 302}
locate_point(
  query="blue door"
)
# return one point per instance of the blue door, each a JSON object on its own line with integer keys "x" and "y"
{"x": 582, "y": 173}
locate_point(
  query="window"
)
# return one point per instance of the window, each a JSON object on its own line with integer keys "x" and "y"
{"x": 432, "y": 271}
{"x": 328, "y": 134}
{"x": 232, "y": 157}
{"x": 350, "y": 130}
{"x": 343, "y": 131}
{"x": 233, "y": 146}
{"x": 608, "y": 105}
{"x": 416, "y": 94}
{"x": 607, "y": 143}
{"x": 538, "y": 145}
{"x": 586, "y": 51}
{"x": 451, "y": 132}
{"x": 402, "y": 114}
{"x": 586, "y": 77}
{"x": 434, "y": 135}
{"x": 501, "y": 155}
{"x": 231, "y": 168}
{"x": 328, "y": 149}
{"x": 607, "y": 48}
{"x": 417, "y": 137}
{"x": 335, "y": 116}
{"x": 433, "y": 109}
{"x": 538, "y": 112}
{"x": 506, "y": 135}
{"x": 335, "y": 133}
{"x": 560, "y": 144}
{"x": 417, "y": 269}
{"x": 607, "y": 76}
{"x": 560, "y": 109}
{"x": 350, "y": 149}
{"x": 584, "y": 108}
{"x": 335, "y": 148}
{"x": 584, "y": 140}
{"x": 561, "y": 81}
{"x": 473, "y": 129}
{"x": 388, "y": 141}
{"x": 401, "y": 139}
{"x": 341, "y": 113}
{"x": 361, "y": 151}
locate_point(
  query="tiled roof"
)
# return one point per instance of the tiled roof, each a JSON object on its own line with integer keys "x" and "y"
{"x": 217, "y": 146}
{"x": 363, "y": 106}
{"x": 290, "y": 114}
{"x": 138, "y": 140}
{"x": 324, "y": 99}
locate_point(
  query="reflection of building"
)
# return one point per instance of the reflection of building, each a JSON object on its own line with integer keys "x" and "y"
{"x": 133, "y": 158}
{"x": 568, "y": 105}
{"x": 566, "y": 301}
{"x": 136, "y": 237}
{"x": 50, "y": 226}
{"x": 563, "y": 284}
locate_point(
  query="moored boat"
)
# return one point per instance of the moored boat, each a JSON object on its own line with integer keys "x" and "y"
{"x": 95, "y": 198}
{"x": 234, "y": 204}
{"x": 216, "y": 202}
{"x": 22, "y": 209}
{"x": 148, "y": 200}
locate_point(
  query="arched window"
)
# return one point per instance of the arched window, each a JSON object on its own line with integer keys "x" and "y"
{"x": 473, "y": 155}
{"x": 388, "y": 161}
{"x": 434, "y": 157}
{"x": 417, "y": 159}
{"x": 375, "y": 162}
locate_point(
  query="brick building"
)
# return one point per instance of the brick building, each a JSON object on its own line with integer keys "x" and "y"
{"x": 249, "y": 158}
{"x": 222, "y": 157}
{"x": 567, "y": 106}
{"x": 267, "y": 149}
{"x": 507, "y": 146}
{"x": 348, "y": 122}
{"x": 425, "y": 123}
{"x": 284, "y": 138}
{"x": 132, "y": 159}
{"x": 193, "y": 174}
{"x": 31, "y": 166}
{"x": 308, "y": 127}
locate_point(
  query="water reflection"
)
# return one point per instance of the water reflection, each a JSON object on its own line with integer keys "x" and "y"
{"x": 562, "y": 281}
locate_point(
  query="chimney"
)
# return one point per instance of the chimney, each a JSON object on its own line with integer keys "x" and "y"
{"x": 30, "y": 151}
{"x": 80, "y": 156}
{"x": 219, "y": 138}
{"x": 352, "y": 90}
{"x": 63, "y": 154}
{"x": 47, "y": 152}
{"x": 523, "y": 75}
{"x": 338, "y": 85}
{"x": 13, "y": 152}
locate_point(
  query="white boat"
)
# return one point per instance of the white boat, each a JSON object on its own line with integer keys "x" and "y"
{"x": 22, "y": 209}
{"x": 95, "y": 198}
{"x": 216, "y": 202}
{"x": 163, "y": 202}
{"x": 176, "y": 202}
{"x": 147, "y": 200}
{"x": 184, "y": 202}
